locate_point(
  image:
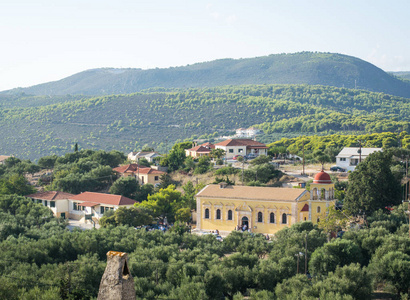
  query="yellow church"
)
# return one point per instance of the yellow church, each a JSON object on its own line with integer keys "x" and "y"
{"x": 263, "y": 210}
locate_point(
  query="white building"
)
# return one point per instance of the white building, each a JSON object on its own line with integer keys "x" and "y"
{"x": 56, "y": 201}
{"x": 349, "y": 157}
{"x": 77, "y": 207}
{"x": 149, "y": 156}
{"x": 242, "y": 147}
{"x": 247, "y": 133}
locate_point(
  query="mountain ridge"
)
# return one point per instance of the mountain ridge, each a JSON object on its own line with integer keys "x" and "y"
{"x": 312, "y": 68}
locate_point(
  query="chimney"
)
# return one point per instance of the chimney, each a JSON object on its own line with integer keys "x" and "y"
{"x": 116, "y": 282}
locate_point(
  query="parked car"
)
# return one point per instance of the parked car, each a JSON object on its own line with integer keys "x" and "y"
{"x": 250, "y": 156}
{"x": 236, "y": 156}
{"x": 337, "y": 169}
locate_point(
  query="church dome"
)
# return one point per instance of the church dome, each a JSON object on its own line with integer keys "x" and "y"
{"x": 322, "y": 177}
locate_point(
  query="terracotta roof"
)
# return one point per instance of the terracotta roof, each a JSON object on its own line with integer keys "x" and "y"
{"x": 101, "y": 198}
{"x": 51, "y": 195}
{"x": 251, "y": 193}
{"x": 150, "y": 171}
{"x": 200, "y": 149}
{"x": 322, "y": 177}
{"x": 129, "y": 168}
{"x": 241, "y": 142}
{"x": 88, "y": 204}
{"x": 208, "y": 145}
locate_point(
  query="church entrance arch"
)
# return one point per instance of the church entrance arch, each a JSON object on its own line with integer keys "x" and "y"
{"x": 245, "y": 221}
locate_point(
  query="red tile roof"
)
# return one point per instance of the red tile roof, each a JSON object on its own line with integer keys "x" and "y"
{"x": 129, "y": 168}
{"x": 200, "y": 149}
{"x": 133, "y": 168}
{"x": 151, "y": 171}
{"x": 242, "y": 142}
{"x": 208, "y": 145}
{"x": 101, "y": 198}
{"x": 51, "y": 195}
{"x": 88, "y": 204}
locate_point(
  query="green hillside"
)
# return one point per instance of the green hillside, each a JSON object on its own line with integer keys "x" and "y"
{"x": 160, "y": 117}
{"x": 298, "y": 68}
{"x": 404, "y": 74}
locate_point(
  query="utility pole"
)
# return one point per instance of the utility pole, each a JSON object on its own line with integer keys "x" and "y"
{"x": 360, "y": 149}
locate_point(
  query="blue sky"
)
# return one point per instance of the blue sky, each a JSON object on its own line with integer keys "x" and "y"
{"x": 44, "y": 40}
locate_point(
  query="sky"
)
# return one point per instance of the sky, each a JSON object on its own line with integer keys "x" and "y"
{"x": 47, "y": 40}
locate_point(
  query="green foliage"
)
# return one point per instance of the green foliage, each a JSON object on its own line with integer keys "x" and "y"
{"x": 85, "y": 170}
{"x": 372, "y": 185}
{"x": 133, "y": 216}
{"x": 307, "y": 67}
{"x": 203, "y": 165}
{"x": 15, "y": 184}
{"x": 174, "y": 160}
{"x": 277, "y": 109}
{"x": 393, "y": 267}
{"x": 260, "y": 160}
{"x": 261, "y": 172}
{"x": 41, "y": 259}
{"x": 144, "y": 162}
{"x": 164, "y": 204}
{"x": 336, "y": 253}
{"x": 125, "y": 186}
{"x": 228, "y": 170}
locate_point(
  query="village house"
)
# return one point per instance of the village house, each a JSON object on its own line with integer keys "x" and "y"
{"x": 66, "y": 205}
{"x": 58, "y": 202}
{"x": 144, "y": 174}
{"x": 263, "y": 210}
{"x": 89, "y": 205}
{"x": 201, "y": 150}
{"x": 149, "y": 156}
{"x": 350, "y": 157}
{"x": 242, "y": 147}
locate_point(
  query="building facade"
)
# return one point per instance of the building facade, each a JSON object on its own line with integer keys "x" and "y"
{"x": 242, "y": 147}
{"x": 142, "y": 174}
{"x": 263, "y": 210}
{"x": 58, "y": 202}
{"x": 350, "y": 157}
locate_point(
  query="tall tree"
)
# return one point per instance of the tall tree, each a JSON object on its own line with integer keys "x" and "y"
{"x": 372, "y": 185}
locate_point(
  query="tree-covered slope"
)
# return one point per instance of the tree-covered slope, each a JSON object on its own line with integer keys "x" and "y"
{"x": 160, "y": 117}
{"x": 403, "y": 74}
{"x": 298, "y": 68}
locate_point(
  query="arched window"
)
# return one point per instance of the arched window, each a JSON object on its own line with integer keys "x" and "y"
{"x": 322, "y": 194}
{"x": 315, "y": 194}
{"x": 318, "y": 220}
{"x": 284, "y": 219}
{"x": 206, "y": 213}
{"x": 218, "y": 214}
{"x": 272, "y": 218}
{"x": 260, "y": 217}
{"x": 318, "y": 209}
{"x": 229, "y": 214}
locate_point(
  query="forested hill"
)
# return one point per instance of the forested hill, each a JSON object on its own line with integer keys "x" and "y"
{"x": 403, "y": 74}
{"x": 160, "y": 117}
{"x": 298, "y": 68}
